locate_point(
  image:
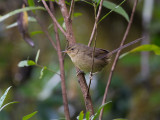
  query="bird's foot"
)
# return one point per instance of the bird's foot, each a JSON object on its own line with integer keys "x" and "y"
{"x": 79, "y": 72}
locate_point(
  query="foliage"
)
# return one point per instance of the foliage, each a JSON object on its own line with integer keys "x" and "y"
{"x": 6, "y": 16}
{"x": 3, "y": 98}
{"x": 146, "y": 47}
{"x": 2, "y": 101}
{"x": 29, "y": 115}
{"x": 93, "y": 117}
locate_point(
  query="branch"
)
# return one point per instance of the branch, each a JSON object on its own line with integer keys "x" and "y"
{"x": 45, "y": 31}
{"x": 71, "y": 9}
{"x": 117, "y": 56}
{"x": 68, "y": 22}
{"x": 53, "y": 17}
{"x": 95, "y": 24}
{"x": 71, "y": 39}
{"x": 60, "y": 58}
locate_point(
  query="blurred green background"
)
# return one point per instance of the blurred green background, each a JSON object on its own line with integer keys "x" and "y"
{"x": 133, "y": 97}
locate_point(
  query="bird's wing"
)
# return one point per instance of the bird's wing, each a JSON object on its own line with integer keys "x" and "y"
{"x": 98, "y": 53}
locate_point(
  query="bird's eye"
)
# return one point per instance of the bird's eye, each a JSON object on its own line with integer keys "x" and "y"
{"x": 72, "y": 48}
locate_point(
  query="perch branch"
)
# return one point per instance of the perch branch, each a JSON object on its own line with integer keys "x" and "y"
{"x": 95, "y": 24}
{"x": 45, "y": 31}
{"x": 71, "y": 9}
{"x": 62, "y": 73}
{"x": 53, "y": 17}
{"x": 117, "y": 56}
{"x": 71, "y": 39}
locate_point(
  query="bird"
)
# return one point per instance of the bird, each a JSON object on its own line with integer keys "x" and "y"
{"x": 82, "y": 56}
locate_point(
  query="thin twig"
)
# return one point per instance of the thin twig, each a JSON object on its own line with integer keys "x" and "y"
{"x": 71, "y": 39}
{"x": 60, "y": 58}
{"x": 68, "y": 22}
{"x": 71, "y": 9}
{"x": 117, "y": 56}
{"x": 53, "y": 17}
{"x": 45, "y": 31}
{"x": 93, "y": 51}
{"x": 95, "y": 24}
{"x": 47, "y": 69}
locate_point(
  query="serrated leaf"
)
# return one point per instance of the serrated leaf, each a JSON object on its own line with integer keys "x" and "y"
{"x": 29, "y": 116}
{"x": 26, "y": 63}
{"x": 4, "y": 96}
{"x": 6, "y": 16}
{"x": 81, "y": 115}
{"x": 8, "y": 104}
{"x": 100, "y": 108}
{"x": 37, "y": 56}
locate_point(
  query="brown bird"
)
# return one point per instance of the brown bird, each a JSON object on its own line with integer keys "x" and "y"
{"x": 81, "y": 56}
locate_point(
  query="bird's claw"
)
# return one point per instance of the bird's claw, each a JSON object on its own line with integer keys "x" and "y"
{"x": 79, "y": 72}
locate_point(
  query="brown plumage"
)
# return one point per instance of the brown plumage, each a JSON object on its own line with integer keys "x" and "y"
{"x": 81, "y": 56}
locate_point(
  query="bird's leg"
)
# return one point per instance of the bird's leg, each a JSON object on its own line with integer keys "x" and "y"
{"x": 90, "y": 79}
{"x": 79, "y": 72}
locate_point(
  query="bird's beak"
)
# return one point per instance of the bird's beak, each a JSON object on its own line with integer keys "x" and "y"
{"x": 65, "y": 51}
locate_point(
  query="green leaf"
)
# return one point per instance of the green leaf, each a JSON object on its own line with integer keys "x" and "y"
{"x": 81, "y": 115}
{"x": 4, "y": 96}
{"x": 99, "y": 110}
{"x": 31, "y": 3}
{"x": 30, "y": 19}
{"x": 46, "y": 0}
{"x": 41, "y": 73}
{"x": 147, "y": 47}
{"x": 23, "y": 63}
{"x": 116, "y": 8}
{"x": 85, "y": 2}
{"x": 120, "y": 119}
{"x": 4, "y": 17}
{"x": 36, "y": 32}
{"x": 29, "y": 116}
{"x": 8, "y": 104}
{"x": 77, "y": 14}
{"x": 87, "y": 115}
{"x": 37, "y": 56}
{"x": 12, "y": 25}
{"x": 98, "y": 1}
{"x": 26, "y": 63}
{"x": 31, "y": 63}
